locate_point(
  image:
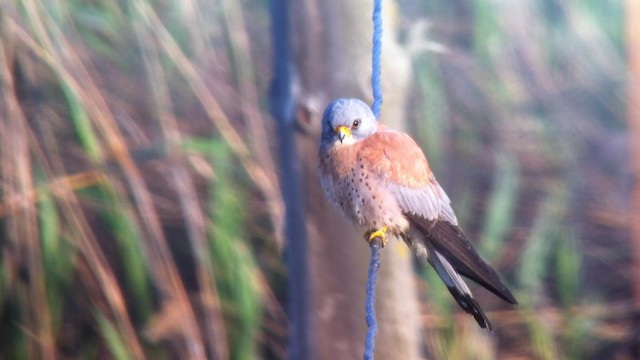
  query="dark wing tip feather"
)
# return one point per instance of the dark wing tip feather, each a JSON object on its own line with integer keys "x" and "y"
{"x": 448, "y": 239}
{"x": 471, "y": 306}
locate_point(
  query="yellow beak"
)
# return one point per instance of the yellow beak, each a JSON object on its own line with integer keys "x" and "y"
{"x": 343, "y": 132}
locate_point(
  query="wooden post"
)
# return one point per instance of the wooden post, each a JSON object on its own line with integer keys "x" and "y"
{"x": 332, "y": 47}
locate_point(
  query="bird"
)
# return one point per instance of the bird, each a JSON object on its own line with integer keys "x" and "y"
{"x": 380, "y": 179}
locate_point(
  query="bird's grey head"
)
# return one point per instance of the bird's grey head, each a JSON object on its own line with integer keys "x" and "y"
{"x": 347, "y": 121}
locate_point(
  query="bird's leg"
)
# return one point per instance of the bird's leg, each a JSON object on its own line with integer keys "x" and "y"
{"x": 381, "y": 233}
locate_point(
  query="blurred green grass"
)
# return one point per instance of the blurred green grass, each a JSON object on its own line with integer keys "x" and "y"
{"x": 516, "y": 87}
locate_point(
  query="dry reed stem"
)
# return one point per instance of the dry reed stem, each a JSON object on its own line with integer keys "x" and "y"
{"x": 195, "y": 219}
{"x": 256, "y": 122}
{"x": 23, "y": 223}
{"x": 88, "y": 244}
{"x": 259, "y": 176}
{"x": 66, "y": 62}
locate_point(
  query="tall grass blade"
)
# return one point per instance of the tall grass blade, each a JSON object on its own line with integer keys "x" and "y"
{"x": 113, "y": 338}
{"x": 535, "y": 263}
{"x": 500, "y": 210}
{"x": 433, "y": 114}
{"x": 233, "y": 263}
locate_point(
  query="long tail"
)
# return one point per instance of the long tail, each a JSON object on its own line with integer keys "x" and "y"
{"x": 458, "y": 288}
{"x": 446, "y": 248}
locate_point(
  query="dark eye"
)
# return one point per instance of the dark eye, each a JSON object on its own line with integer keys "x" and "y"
{"x": 356, "y": 124}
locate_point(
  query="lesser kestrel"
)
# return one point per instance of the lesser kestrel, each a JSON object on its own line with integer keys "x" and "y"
{"x": 381, "y": 180}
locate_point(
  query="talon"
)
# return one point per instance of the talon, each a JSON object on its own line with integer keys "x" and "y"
{"x": 382, "y": 234}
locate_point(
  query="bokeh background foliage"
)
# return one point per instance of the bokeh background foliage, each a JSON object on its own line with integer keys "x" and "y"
{"x": 142, "y": 215}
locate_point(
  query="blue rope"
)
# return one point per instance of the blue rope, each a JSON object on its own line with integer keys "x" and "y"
{"x": 375, "y": 61}
{"x": 374, "y": 262}
{"x": 372, "y": 279}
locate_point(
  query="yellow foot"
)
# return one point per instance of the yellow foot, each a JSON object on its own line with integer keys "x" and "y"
{"x": 382, "y": 234}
